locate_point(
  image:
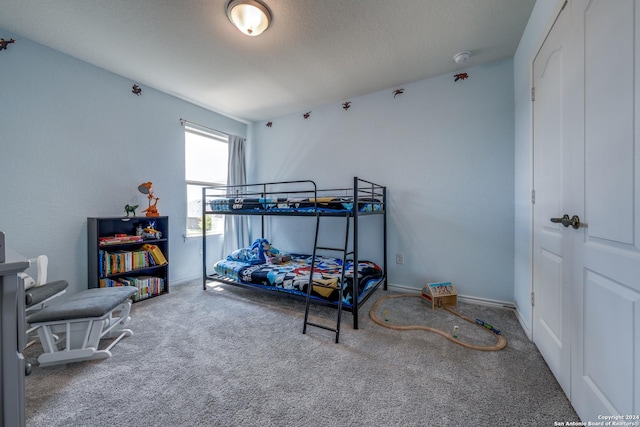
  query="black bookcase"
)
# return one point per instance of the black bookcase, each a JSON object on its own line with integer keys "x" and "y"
{"x": 115, "y": 258}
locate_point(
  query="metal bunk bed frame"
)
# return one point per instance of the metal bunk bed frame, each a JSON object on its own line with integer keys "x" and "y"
{"x": 362, "y": 191}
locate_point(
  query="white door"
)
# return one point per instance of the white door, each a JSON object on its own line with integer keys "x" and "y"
{"x": 605, "y": 194}
{"x": 551, "y": 318}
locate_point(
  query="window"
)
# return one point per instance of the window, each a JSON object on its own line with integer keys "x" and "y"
{"x": 206, "y": 158}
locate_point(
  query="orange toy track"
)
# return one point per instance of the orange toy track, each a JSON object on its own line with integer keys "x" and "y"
{"x": 502, "y": 342}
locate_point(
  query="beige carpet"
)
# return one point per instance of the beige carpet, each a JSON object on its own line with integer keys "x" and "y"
{"x": 411, "y": 312}
{"x": 235, "y": 357}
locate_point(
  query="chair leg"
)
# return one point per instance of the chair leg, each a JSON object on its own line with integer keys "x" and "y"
{"x": 82, "y": 336}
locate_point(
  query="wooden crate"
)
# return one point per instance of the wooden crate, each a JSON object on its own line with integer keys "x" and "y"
{"x": 438, "y": 294}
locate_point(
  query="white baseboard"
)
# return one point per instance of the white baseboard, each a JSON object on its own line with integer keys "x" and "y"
{"x": 476, "y": 300}
{"x": 486, "y": 301}
{"x": 403, "y": 288}
{"x": 524, "y": 325}
{"x": 184, "y": 280}
{"x": 463, "y": 298}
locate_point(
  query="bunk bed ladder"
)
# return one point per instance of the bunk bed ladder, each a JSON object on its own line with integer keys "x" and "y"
{"x": 340, "y": 284}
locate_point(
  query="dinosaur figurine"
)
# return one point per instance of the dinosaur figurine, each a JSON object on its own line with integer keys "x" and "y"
{"x": 130, "y": 209}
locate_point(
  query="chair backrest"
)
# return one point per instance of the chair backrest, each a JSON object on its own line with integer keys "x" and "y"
{"x": 42, "y": 263}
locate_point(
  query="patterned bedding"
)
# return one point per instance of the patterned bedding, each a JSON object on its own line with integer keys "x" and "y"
{"x": 293, "y": 276}
{"x": 287, "y": 204}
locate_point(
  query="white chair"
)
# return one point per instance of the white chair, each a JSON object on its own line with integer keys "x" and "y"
{"x": 38, "y": 293}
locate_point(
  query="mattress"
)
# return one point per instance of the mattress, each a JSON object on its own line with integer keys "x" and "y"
{"x": 286, "y": 204}
{"x": 293, "y": 276}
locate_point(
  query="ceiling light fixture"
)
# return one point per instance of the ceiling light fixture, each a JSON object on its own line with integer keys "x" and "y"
{"x": 252, "y": 17}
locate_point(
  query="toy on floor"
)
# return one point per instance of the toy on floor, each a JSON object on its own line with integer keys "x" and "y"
{"x": 488, "y": 326}
{"x": 438, "y": 294}
{"x": 499, "y": 345}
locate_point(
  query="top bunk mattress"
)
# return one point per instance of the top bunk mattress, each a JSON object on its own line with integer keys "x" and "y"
{"x": 330, "y": 204}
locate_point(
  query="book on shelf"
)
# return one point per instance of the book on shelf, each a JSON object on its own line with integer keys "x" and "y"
{"x": 156, "y": 254}
{"x": 122, "y": 261}
{"x": 119, "y": 239}
{"x": 147, "y": 286}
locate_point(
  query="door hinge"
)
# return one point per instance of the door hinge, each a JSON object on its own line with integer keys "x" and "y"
{"x": 533, "y": 299}
{"x": 533, "y": 197}
{"x": 533, "y": 93}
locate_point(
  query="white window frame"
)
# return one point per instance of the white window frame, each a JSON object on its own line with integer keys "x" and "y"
{"x": 218, "y": 137}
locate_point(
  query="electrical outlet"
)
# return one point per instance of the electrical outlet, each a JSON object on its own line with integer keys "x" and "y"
{"x": 399, "y": 258}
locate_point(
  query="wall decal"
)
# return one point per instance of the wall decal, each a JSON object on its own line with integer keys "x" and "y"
{"x": 136, "y": 89}
{"x": 346, "y": 105}
{"x": 398, "y": 92}
{"x": 306, "y": 115}
{"x": 460, "y": 76}
{"x": 4, "y": 43}
{"x": 269, "y": 124}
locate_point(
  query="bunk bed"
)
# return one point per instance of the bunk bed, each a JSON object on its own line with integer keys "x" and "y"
{"x": 294, "y": 276}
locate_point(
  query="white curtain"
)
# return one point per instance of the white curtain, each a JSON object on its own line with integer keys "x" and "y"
{"x": 236, "y": 228}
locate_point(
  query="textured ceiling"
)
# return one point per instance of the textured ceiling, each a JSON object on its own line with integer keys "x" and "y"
{"x": 316, "y": 51}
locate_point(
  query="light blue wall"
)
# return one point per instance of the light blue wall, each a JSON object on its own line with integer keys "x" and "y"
{"x": 445, "y": 151}
{"x": 538, "y": 26}
{"x": 76, "y": 142}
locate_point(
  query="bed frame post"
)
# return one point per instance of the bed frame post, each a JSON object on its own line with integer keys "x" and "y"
{"x": 264, "y": 195}
{"x": 356, "y": 279}
{"x": 384, "y": 236}
{"x": 204, "y": 240}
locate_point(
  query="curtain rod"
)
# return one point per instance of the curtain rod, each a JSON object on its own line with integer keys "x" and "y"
{"x": 207, "y": 128}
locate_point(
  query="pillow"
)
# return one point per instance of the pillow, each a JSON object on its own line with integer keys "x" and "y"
{"x": 246, "y": 255}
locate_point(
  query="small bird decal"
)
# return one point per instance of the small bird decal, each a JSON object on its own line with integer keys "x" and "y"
{"x": 460, "y": 76}
{"x": 398, "y": 92}
{"x": 4, "y": 43}
{"x": 307, "y": 114}
{"x": 269, "y": 124}
{"x": 137, "y": 90}
{"x": 346, "y": 105}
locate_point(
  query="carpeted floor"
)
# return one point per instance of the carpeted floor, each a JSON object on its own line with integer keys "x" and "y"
{"x": 233, "y": 357}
